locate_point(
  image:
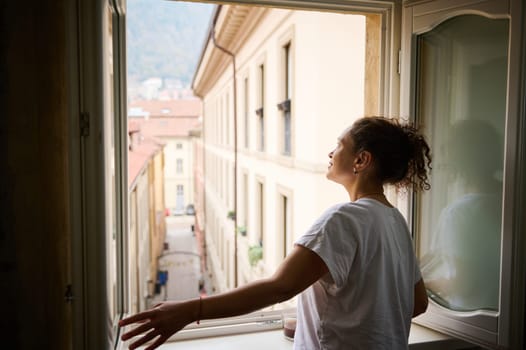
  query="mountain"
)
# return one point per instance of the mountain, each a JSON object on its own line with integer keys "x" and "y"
{"x": 165, "y": 38}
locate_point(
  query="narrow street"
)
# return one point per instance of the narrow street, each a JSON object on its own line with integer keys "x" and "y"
{"x": 181, "y": 260}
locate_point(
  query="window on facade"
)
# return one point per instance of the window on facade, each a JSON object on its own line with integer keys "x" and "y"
{"x": 245, "y": 111}
{"x": 284, "y": 224}
{"x": 285, "y": 105}
{"x": 179, "y": 145}
{"x": 179, "y": 165}
{"x": 260, "y": 111}
{"x": 261, "y": 213}
{"x": 245, "y": 204}
{"x": 179, "y": 199}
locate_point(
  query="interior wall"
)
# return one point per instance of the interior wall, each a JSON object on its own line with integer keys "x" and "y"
{"x": 34, "y": 225}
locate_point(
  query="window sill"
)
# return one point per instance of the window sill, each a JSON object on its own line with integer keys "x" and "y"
{"x": 420, "y": 338}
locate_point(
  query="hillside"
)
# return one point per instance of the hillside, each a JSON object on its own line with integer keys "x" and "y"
{"x": 165, "y": 38}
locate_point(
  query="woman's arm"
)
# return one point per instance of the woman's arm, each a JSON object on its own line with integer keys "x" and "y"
{"x": 420, "y": 303}
{"x": 299, "y": 270}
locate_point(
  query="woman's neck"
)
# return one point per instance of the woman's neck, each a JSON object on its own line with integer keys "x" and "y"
{"x": 374, "y": 191}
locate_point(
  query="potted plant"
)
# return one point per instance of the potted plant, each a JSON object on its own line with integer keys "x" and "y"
{"x": 231, "y": 215}
{"x": 242, "y": 230}
{"x": 255, "y": 254}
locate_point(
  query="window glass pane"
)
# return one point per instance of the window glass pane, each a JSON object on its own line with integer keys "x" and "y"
{"x": 461, "y": 103}
{"x": 286, "y": 133}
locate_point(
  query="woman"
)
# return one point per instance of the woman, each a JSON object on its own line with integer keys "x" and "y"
{"x": 355, "y": 266}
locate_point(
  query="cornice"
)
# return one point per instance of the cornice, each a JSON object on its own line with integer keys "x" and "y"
{"x": 233, "y": 26}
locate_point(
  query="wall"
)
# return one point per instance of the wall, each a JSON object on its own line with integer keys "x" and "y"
{"x": 35, "y": 192}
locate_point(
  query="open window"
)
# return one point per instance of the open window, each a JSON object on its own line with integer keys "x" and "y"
{"x": 440, "y": 84}
{"x": 462, "y": 95}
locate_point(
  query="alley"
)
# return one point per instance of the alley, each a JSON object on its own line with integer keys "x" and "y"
{"x": 180, "y": 260}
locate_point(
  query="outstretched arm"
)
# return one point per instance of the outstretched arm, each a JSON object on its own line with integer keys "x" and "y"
{"x": 299, "y": 270}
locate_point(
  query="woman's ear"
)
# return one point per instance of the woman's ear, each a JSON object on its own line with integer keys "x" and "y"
{"x": 363, "y": 160}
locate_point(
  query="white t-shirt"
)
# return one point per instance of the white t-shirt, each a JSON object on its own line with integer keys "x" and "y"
{"x": 366, "y": 300}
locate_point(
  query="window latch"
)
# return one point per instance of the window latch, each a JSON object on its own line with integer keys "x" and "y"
{"x": 84, "y": 124}
{"x": 68, "y": 296}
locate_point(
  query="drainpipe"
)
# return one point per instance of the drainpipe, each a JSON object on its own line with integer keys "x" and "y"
{"x": 235, "y": 150}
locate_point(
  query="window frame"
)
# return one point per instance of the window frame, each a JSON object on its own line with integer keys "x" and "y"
{"x": 91, "y": 102}
{"x": 488, "y": 329}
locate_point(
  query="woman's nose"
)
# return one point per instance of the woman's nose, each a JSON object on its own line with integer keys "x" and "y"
{"x": 330, "y": 154}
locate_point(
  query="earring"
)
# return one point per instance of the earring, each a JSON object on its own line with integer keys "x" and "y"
{"x": 354, "y": 170}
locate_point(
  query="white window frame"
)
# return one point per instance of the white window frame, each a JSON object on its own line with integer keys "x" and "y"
{"x": 492, "y": 330}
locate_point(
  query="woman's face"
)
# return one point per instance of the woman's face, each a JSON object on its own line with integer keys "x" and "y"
{"x": 341, "y": 160}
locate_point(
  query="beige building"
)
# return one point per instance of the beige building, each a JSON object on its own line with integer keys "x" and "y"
{"x": 147, "y": 226}
{"x": 294, "y": 70}
{"x": 171, "y": 121}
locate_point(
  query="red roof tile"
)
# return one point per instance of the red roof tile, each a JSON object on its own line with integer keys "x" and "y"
{"x": 138, "y": 158}
{"x": 167, "y": 108}
{"x": 171, "y": 127}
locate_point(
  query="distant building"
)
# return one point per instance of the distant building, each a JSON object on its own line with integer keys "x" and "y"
{"x": 147, "y": 227}
{"x": 301, "y": 79}
{"x": 150, "y": 88}
{"x": 171, "y": 122}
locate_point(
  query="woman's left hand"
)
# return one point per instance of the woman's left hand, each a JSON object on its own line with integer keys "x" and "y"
{"x": 161, "y": 322}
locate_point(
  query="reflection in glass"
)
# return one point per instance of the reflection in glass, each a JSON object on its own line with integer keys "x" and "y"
{"x": 461, "y": 104}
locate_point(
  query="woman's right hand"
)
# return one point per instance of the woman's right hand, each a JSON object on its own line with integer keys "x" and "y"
{"x": 161, "y": 322}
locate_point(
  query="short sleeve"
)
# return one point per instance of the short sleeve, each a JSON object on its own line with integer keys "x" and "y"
{"x": 333, "y": 238}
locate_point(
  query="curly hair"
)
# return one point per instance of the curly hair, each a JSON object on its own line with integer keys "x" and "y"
{"x": 401, "y": 154}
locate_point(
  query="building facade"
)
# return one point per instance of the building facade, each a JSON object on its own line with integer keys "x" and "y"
{"x": 146, "y": 212}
